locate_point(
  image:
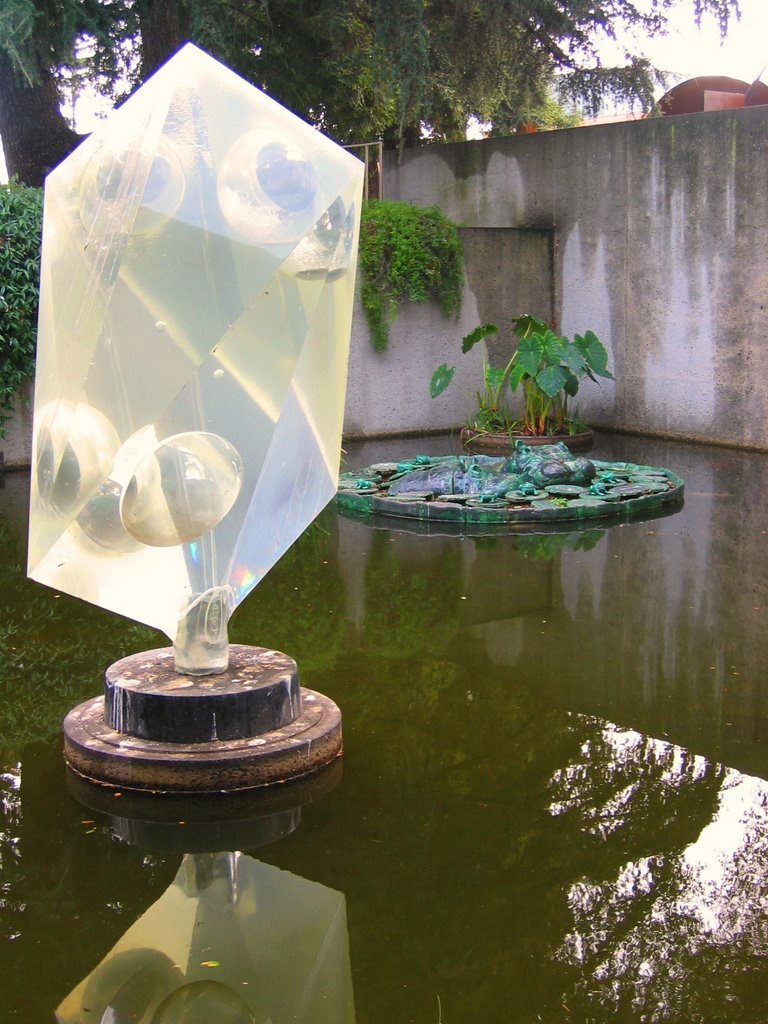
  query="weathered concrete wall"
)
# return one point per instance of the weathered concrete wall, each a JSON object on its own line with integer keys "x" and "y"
{"x": 654, "y": 234}
{"x": 660, "y": 247}
{"x": 17, "y": 444}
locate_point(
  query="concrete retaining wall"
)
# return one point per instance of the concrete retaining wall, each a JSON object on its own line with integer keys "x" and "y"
{"x": 660, "y": 245}
{"x": 16, "y": 446}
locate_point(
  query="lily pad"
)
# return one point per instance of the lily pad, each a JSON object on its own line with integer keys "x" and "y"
{"x": 565, "y": 490}
{"x": 474, "y": 502}
{"x": 413, "y": 496}
{"x": 524, "y": 496}
{"x": 650, "y": 485}
{"x": 586, "y": 501}
{"x": 627, "y": 491}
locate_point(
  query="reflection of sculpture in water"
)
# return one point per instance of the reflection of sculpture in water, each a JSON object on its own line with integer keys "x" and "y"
{"x": 232, "y": 941}
{"x": 198, "y": 267}
{"x": 488, "y": 475}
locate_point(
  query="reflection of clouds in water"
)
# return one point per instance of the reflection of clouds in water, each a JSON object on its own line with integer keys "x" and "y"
{"x": 665, "y": 931}
{"x": 727, "y": 886}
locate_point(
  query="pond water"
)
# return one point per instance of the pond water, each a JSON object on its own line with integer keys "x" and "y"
{"x": 553, "y": 802}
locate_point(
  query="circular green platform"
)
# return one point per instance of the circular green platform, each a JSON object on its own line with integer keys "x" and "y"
{"x": 618, "y": 490}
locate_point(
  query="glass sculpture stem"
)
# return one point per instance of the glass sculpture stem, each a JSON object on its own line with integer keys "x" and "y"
{"x": 202, "y": 646}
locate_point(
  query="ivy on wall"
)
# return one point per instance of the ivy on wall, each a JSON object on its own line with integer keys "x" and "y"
{"x": 21, "y": 209}
{"x": 406, "y": 252}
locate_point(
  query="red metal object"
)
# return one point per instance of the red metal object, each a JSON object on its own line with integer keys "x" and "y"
{"x": 712, "y": 92}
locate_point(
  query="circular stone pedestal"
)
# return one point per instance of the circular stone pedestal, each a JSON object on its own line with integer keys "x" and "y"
{"x": 156, "y": 730}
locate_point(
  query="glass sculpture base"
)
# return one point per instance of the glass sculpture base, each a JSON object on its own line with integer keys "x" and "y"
{"x": 158, "y": 731}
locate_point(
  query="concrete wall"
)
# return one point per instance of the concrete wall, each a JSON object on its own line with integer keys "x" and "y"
{"x": 16, "y": 446}
{"x": 660, "y": 245}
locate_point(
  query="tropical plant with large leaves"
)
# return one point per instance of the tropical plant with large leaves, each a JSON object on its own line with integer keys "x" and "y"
{"x": 546, "y": 366}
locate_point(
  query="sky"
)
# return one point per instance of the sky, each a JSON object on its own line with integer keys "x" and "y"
{"x": 686, "y": 51}
{"x": 689, "y": 51}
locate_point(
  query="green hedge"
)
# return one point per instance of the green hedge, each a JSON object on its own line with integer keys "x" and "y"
{"x": 21, "y": 210}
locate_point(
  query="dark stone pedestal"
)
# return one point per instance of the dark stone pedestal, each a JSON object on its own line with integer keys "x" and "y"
{"x": 156, "y": 730}
{"x": 144, "y": 696}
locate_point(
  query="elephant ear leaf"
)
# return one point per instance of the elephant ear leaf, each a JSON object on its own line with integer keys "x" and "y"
{"x": 594, "y": 352}
{"x": 441, "y": 378}
{"x": 494, "y": 377}
{"x": 554, "y": 348}
{"x": 530, "y": 352}
{"x": 516, "y": 375}
{"x": 552, "y": 380}
{"x": 571, "y": 385}
{"x": 483, "y": 331}
{"x": 526, "y": 324}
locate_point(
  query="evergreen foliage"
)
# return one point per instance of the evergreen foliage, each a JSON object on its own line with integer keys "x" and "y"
{"x": 406, "y": 252}
{"x": 20, "y": 227}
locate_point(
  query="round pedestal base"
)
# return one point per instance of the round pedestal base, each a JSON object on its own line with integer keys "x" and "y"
{"x": 98, "y": 752}
{"x": 144, "y": 696}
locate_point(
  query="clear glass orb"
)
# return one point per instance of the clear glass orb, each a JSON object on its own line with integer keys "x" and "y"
{"x": 203, "y": 1002}
{"x": 131, "y": 190}
{"x": 182, "y": 489}
{"x": 100, "y": 519}
{"x": 74, "y": 449}
{"x": 265, "y": 189}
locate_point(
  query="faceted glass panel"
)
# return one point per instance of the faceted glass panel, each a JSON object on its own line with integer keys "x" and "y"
{"x": 197, "y": 283}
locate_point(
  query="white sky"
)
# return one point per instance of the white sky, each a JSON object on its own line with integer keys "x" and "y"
{"x": 689, "y": 51}
{"x": 685, "y": 51}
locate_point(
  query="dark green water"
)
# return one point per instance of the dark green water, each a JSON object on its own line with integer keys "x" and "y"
{"x": 553, "y": 804}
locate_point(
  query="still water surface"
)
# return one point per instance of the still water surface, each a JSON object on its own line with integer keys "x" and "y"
{"x": 553, "y": 804}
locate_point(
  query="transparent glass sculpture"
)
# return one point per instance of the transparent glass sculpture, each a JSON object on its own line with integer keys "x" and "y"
{"x": 197, "y": 284}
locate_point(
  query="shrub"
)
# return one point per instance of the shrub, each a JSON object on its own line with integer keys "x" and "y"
{"x": 406, "y": 252}
{"x": 21, "y": 210}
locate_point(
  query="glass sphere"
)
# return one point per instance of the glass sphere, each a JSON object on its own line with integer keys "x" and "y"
{"x": 130, "y": 190}
{"x": 266, "y": 189}
{"x": 203, "y": 1002}
{"x": 73, "y": 453}
{"x": 100, "y": 519}
{"x": 182, "y": 489}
